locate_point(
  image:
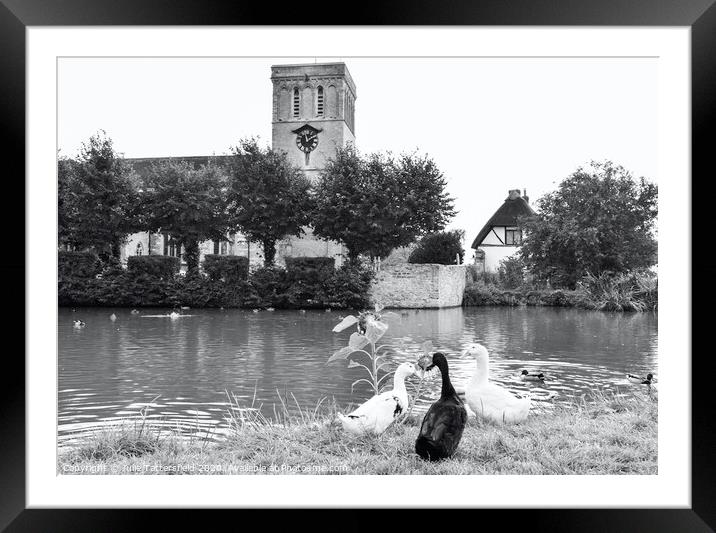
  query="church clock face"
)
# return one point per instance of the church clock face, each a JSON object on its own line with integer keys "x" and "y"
{"x": 307, "y": 138}
{"x": 307, "y": 141}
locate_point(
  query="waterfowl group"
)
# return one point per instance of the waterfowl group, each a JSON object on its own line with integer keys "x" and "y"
{"x": 78, "y": 323}
{"x": 375, "y": 415}
{"x": 443, "y": 424}
{"x": 489, "y": 400}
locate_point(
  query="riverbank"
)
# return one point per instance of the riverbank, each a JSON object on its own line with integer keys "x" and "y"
{"x": 604, "y": 435}
{"x": 624, "y": 292}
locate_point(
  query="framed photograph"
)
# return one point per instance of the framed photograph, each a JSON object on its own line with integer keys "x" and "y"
{"x": 409, "y": 265}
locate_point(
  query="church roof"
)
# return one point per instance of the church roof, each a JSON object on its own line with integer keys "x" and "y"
{"x": 507, "y": 215}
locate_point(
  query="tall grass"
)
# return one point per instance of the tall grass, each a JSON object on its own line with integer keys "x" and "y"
{"x": 286, "y": 413}
{"x": 636, "y": 291}
{"x": 601, "y": 433}
{"x": 126, "y": 438}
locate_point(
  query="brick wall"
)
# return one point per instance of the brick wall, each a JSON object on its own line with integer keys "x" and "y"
{"x": 419, "y": 286}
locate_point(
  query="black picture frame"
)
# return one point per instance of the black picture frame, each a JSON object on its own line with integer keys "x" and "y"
{"x": 699, "y": 15}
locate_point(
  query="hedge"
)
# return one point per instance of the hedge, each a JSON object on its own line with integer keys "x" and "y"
{"x": 226, "y": 267}
{"x": 309, "y": 269}
{"x": 266, "y": 287}
{"x": 158, "y": 266}
{"x": 78, "y": 264}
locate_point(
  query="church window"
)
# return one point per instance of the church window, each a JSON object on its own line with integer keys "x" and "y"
{"x": 296, "y": 102}
{"x": 172, "y": 247}
{"x": 140, "y": 249}
{"x": 319, "y": 103}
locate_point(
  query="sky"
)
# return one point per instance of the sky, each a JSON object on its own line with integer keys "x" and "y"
{"x": 490, "y": 124}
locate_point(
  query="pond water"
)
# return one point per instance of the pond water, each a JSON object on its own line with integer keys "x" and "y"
{"x": 179, "y": 371}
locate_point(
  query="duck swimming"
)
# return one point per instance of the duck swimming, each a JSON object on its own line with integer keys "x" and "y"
{"x": 489, "y": 400}
{"x": 526, "y": 376}
{"x": 113, "y": 317}
{"x": 640, "y": 380}
{"x": 174, "y": 315}
{"x": 134, "y": 312}
{"x": 375, "y": 415}
{"x": 443, "y": 424}
{"x": 78, "y": 323}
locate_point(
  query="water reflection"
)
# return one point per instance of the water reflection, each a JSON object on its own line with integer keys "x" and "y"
{"x": 179, "y": 371}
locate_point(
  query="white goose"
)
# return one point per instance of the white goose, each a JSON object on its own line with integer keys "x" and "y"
{"x": 375, "y": 415}
{"x": 489, "y": 400}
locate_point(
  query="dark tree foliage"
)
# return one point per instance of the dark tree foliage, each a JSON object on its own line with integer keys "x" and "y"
{"x": 187, "y": 203}
{"x": 158, "y": 266}
{"x": 226, "y": 267}
{"x": 97, "y": 199}
{"x": 376, "y": 203}
{"x": 67, "y": 218}
{"x": 440, "y": 248}
{"x": 599, "y": 220}
{"x": 269, "y": 198}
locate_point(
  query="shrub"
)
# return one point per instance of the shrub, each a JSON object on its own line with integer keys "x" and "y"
{"x": 511, "y": 272}
{"x": 480, "y": 293}
{"x": 439, "y": 248}
{"x": 268, "y": 287}
{"x": 78, "y": 264}
{"x": 309, "y": 269}
{"x": 197, "y": 290}
{"x": 348, "y": 287}
{"x": 230, "y": 268}
{"x": 159, "y": 266}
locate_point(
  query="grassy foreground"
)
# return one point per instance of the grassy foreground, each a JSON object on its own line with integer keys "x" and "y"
{"x": 602, "y": 435}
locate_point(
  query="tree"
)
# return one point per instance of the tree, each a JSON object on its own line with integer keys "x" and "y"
{"x": 97, "y": 198}
{"x": 188, "y": 204}
{"x": 67, "y": 226}
{"x": 599, "y": 220}
{"x": 269, "y": 198}
{"x": 375, "y": 203}
{"x": 441, "y": 248}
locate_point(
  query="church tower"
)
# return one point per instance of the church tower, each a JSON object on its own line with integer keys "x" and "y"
{"x": 313, "y": 115}
{"x": 313, "y": 112}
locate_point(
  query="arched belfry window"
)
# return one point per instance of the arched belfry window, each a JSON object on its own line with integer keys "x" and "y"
{"x": 296, "y": 102}
{"x": 319, "y": 101}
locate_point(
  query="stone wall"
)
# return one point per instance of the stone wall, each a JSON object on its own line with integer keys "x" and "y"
{"x": 419, "y": 286}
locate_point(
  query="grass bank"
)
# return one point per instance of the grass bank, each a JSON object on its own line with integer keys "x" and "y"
{"x": 601, "y": 435}
{"x": 624, "y": 292}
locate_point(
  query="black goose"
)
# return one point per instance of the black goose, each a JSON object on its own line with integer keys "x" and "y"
{"x": 444, "y": 422}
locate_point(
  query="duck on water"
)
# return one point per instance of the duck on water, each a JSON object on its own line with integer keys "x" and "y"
{"x": 631, "y": 378}
{"x": 526, "y": 376}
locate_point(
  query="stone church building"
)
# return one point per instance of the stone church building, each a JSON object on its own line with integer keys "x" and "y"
{"x": 313, "y": 115}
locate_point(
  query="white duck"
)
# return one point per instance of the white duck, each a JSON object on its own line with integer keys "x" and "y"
{"x": 375, "y": 415}
{"x": 489, "y": 400}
